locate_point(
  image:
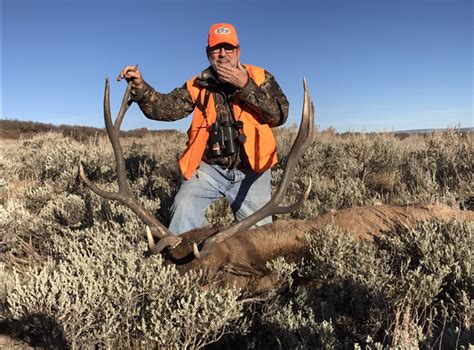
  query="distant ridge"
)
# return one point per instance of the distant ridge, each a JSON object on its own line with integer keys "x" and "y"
{"x": 14, "y": 129}
{"x": 428, "y": 131}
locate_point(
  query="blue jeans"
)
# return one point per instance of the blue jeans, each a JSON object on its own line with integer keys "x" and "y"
{"x": 246, "y": 192}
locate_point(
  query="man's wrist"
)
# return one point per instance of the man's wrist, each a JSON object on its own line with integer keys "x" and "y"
{"x": 138, "y": 94}
{"x": 246, "y": 81}
{"x": 248, "y": 88}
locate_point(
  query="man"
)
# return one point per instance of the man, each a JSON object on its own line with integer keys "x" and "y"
{"x": 230, "y": 146}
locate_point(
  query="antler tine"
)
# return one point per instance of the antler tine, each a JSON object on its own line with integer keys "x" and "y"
{"x": 301, "y": 143}
{"x": 95, "y": 188}
{"x": 113, "y": 134}
{"x": 124, "y": 195}
{"x": 124, "y": 105}
{"x": 109, "y": 127}
{"x": 295, "y": 206}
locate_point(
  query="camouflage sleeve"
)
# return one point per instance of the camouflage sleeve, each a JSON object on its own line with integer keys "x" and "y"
{"x": 267, "y": 100}
{"x": 165, "y": 107}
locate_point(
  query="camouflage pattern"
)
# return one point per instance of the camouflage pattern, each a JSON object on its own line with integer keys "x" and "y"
{"x": 267, "y": 101}
{"x": 165, "y": 107}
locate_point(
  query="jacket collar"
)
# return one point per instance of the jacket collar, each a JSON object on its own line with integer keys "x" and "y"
{"x": 207, "y": 78}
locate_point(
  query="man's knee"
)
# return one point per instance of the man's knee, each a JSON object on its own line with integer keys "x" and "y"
{"x": 182, "y": 203}
{"x": 189, "y": 207}
{"x": 186, "y": 216}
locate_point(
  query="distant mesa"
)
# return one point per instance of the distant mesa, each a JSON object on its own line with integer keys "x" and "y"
{"x": 428, "y": 131}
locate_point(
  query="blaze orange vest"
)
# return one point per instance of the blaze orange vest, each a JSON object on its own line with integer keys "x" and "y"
{"x": 260, "y": 144}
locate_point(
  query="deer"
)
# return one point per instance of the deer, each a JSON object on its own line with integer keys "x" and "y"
{"x": 237, "y": 255}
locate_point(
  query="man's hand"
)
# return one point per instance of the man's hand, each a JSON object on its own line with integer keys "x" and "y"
{"x": 236, "y": 76}
{"x": 131, "y": 73}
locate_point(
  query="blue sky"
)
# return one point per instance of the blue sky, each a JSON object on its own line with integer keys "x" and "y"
{"x": 371, "y": 65}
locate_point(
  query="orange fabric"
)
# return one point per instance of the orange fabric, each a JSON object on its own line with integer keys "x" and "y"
{"x": 260, "y": 145}
{"x": 222, "y": 33}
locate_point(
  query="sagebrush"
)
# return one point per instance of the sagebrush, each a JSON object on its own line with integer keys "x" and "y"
{"x": 75, "y": 274}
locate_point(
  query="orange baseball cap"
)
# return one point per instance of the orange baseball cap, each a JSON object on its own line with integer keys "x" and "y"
{"x": 222, "y": 33}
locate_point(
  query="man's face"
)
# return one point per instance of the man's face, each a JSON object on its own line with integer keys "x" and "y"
{"x": 224, "y": 54}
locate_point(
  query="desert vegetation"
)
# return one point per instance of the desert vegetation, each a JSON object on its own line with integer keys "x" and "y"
{"x": 75, "y": 273}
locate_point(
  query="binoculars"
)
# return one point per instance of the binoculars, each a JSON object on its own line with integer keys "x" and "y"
{"x": 225, "y": 138}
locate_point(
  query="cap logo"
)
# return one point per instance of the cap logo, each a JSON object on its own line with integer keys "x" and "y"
{"x": 222, "y": 30}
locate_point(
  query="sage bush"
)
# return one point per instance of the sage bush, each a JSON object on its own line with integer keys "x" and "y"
{"x": 98, "y": 290}
{"x": 405, "y": 291}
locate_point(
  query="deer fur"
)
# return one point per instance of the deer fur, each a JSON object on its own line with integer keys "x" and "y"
{"x": 241, "y": 260}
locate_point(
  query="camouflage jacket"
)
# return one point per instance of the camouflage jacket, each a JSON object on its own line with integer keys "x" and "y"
{"x": 267, "y": 100}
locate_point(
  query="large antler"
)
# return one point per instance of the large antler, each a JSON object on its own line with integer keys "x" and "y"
{"x": 124, "y": 195}
{"x": 300, "y": 145}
